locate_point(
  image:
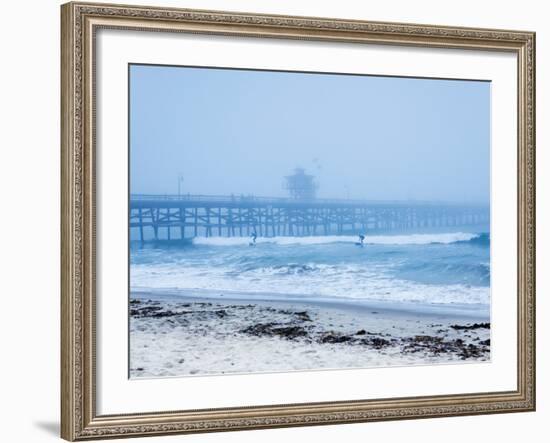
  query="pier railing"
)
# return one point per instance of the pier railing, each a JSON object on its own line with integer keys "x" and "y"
{"x": 234, "y": 198}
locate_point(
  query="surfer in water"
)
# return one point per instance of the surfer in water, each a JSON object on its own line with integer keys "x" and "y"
{"x": 254, "y": 237}
{"x": 361, "y": 240}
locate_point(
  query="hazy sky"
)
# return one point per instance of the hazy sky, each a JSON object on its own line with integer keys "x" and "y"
{"x": 241, "y": 132}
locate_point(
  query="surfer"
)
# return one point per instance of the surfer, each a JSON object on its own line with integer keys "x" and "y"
{"x": 361, "y": 240}
{"x": 254, "y": 237}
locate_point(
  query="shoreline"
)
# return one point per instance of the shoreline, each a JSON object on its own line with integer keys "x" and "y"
{"x": 455, "y": 310}
{"x": 172, "y": 334}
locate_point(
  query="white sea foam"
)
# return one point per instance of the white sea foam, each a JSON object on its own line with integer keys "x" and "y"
{"x": 343, "y": 281}
{"x": 411, "y": 239}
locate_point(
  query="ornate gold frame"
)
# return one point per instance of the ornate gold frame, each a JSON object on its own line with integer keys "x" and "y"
{"x": 79, "y": 420}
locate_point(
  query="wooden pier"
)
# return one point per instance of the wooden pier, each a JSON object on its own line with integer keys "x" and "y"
{"x": 174, "y": 217}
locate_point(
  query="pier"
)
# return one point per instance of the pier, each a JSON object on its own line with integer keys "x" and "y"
{"x": 173, "y": 217}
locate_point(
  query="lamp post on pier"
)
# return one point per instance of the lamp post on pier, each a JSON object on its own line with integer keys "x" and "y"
{"x": 180, "y": 181}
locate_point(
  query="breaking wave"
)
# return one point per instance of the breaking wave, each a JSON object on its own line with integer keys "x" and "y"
{"x": 411, "y": 239}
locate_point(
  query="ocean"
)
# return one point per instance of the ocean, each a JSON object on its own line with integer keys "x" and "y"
{"x": 437, "y": 268}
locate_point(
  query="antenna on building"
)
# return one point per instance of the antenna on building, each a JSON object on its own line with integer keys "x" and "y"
{"x": 180, "y": 181}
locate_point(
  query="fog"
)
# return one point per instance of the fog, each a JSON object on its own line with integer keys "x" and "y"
{"x": 240, "y": 132}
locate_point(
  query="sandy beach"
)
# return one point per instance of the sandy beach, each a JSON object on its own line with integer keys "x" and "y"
{"x": 182, "y": 335}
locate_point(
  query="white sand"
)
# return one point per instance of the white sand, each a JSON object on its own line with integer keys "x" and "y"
{"x": 179, "y": 336}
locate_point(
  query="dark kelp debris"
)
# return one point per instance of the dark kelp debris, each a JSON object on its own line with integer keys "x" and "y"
{"x": 471, "y": 327}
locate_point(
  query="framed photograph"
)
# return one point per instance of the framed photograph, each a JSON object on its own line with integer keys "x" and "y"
{"x": 283, "y": 221}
